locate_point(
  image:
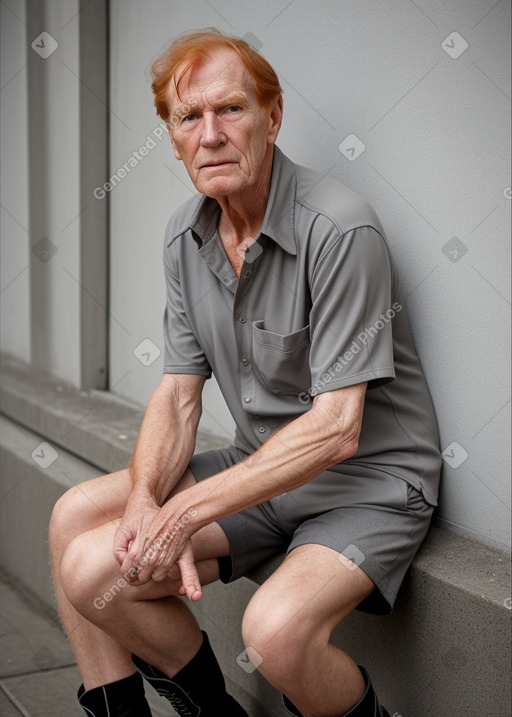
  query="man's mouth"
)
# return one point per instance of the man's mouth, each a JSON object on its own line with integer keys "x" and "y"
{"x": 217, "y": 163}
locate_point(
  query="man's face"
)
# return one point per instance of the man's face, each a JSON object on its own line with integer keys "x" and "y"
{"x": 218, "y": 129}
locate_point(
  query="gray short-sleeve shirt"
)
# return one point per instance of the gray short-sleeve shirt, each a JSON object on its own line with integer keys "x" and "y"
{"x": 318, "y": 306}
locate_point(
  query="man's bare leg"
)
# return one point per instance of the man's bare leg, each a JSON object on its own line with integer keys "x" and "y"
{"x": 82, "y": 508}
{"x": 92, "y": 509}
{"x": 289, "y": 623}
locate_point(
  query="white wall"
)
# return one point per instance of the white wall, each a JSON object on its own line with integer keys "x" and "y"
{"x": 14, "y": 219}
{"x": 40, "y": 297}
{"x": 435, "y": 167}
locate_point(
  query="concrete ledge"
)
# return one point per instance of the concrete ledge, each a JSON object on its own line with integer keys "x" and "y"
{"x": 444, "y": 651}
{"x": 28, "y": 492}
{"x": 94, "y": 425}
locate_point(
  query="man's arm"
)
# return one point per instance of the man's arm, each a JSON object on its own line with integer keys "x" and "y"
{"x": 327, "y": 434}
{"x": 167, "y": 435}
{"x": 162, "y": 452}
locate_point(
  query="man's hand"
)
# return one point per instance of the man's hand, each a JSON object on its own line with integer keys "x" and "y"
{"x": 151, "y": 540}
{"x": 133, "y": 527}
{"x": 191, "y": 585}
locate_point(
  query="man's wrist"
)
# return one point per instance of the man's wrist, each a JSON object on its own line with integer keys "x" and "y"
{"x": 142, "y": 495}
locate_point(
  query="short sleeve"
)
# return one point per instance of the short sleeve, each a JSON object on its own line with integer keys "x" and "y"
{"x": 182, "y": 351}
{"x": 351, "y": 321}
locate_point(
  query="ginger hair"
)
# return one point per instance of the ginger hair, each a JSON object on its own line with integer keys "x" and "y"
{"x": 194, "y": 49}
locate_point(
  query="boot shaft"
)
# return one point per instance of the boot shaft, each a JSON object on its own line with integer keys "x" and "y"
{"x": 123, "y": 698}
{"x": 198, "y": 689}
{"x": 368, "y": 705}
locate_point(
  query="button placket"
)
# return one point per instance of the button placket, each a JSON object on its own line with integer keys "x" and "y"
{"x": 243, "y": 330}
{"x": 246, "y": 376}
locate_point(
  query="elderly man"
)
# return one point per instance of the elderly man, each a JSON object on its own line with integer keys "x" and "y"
{"x": 279, "y": 281}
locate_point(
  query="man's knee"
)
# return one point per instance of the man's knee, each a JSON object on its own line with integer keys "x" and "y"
{"x": 86, "y": 506}
{"x": 277, "y": 636}
{"x": 63, "y": 519}
{"x": 89, "y": 576}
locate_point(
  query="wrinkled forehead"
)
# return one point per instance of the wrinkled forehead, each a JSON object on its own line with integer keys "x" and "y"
{"x": 220, "y": 73}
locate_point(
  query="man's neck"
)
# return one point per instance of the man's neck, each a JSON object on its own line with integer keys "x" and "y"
{"x": 242, "y": 215}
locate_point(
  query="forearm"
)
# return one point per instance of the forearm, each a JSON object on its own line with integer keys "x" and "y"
{"x": 303, "y": 449}
{"x": 326, "y": 435}
{"x": 167, "y": 437}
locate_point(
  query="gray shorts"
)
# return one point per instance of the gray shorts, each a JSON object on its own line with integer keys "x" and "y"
{"x": 374, "y": 518}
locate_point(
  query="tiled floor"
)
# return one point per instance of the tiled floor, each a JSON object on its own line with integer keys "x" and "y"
{"x": 38, "y": 675}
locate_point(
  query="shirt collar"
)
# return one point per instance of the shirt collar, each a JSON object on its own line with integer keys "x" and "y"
{"x": 278, "y": 222}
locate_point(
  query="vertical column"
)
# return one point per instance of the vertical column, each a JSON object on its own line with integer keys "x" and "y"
{"x": 43, "y": 248}
{"x": 94, "y": 220}
{"x": 68, "y": 142}
{"x": 14, "y": 249}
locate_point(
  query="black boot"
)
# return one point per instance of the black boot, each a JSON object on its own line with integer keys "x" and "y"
{"x": 367, "y": 706}
{"x": 197, "y": 689}
{"x": 123, "y": 698}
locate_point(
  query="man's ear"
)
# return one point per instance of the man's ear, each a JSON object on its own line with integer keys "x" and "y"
{"x": 276, "y": 117}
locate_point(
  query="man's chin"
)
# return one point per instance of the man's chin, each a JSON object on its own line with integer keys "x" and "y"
{"x": 219, "y": 187}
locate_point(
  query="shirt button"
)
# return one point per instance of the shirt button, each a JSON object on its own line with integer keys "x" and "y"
{"x": 248, "y": 273}
{"x": 242, "y": 319}
{"x": 247, "y": 399}
{"x": 262, "y": 429}
{"x": 245, "y": 361}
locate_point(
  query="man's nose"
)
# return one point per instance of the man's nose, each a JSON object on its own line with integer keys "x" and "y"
{"x": 212, "y": 134}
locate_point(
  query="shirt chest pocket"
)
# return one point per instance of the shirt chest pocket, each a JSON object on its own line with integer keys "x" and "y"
{"x": 281, "y": 361}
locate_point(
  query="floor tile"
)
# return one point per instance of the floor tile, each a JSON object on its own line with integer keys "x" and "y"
{"x": 7, "y": 709}
{"x": 29, "y": 640}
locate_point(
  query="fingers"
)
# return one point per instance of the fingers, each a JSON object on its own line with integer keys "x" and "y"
{"x": 191, "y": 585}
{"x": 161, "y": 554}
{"x": 138, "y": 558}
{"x": 131, "y": 563}
{"x": 152, "y": 559}
{"x": 165, "y": 567}
{"x": 136, "y": 570}
{"x": 122, "y": 543}
{"x": 152, "y": 547}
{"x": 120, "y": 554}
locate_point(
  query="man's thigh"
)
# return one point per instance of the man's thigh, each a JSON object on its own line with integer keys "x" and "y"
{"x": 102, "y": 500}
{"x": 92, "y": 503}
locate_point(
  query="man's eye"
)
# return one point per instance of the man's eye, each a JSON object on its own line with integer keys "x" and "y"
{"x": 188, "y": 118}
{"x": 234, "y": 108}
